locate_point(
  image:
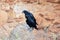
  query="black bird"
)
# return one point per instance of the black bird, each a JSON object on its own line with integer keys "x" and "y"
{"x": 31, "y": 21}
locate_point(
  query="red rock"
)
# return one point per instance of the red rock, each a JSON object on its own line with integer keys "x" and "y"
{"x": 3, "y": 17}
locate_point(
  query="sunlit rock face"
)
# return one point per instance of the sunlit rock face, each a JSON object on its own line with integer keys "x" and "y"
{"x": 3, "y": 17}
{"x": 56, "y": 1}
{"x": 22, "y": 32}
{"x": 18, "y": 8}
{"x": 41, "y": 1}
{"x": 16, "y": 29}
{"x": 4, "y": 6}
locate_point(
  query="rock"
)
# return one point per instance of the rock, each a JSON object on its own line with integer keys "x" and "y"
{"x": 41, "y": 1}
{"x": 11, "y": 14}
{"x": 47, "y": 15}
{"x": 56, "y": 1}
{"x": 21, "y": 32}
{"x": 55, "y": 28}
{"x": 10, "y": 1}
{"x": 3, "y": 17}
{"x": 4, "y": 6}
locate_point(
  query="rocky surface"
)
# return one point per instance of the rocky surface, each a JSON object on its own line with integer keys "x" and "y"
{"x": 22, "y": 32}
{"x": 3, "y": 17}
{"x": 47, "y": 15}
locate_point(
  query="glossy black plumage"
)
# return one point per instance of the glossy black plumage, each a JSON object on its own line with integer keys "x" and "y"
{"x": 31, "y": 21}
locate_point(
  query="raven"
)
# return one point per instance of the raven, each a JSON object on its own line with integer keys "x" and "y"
{"x": 30, "y": 20}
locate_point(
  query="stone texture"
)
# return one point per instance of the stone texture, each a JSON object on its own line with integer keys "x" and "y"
{"x": 41, "y": 1}
{"x": 21, "y": 32}
{"x": 47, "y": 15}
{"x": 3, "y": 17}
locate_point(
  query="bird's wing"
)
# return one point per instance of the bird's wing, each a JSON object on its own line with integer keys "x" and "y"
{"x": 32, "y": 20}
{"x": 32, "y": 17}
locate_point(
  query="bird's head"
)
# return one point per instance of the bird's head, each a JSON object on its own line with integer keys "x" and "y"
{"x": 25, "y": 12}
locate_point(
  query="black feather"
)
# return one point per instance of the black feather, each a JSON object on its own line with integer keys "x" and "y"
{"x": 31, "y": 21}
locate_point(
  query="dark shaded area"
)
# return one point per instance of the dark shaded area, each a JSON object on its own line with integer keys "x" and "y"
{"x": 31, "y": 21}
